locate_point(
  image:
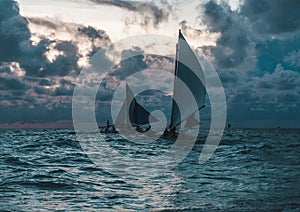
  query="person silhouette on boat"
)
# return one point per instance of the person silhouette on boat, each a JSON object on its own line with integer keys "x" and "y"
{"x": 106, "y": 129}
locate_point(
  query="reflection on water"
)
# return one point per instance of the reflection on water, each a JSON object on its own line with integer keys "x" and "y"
{"x": 251, "y": 170}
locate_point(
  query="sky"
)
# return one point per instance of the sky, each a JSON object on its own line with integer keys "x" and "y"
{"x": 253, "y": 45}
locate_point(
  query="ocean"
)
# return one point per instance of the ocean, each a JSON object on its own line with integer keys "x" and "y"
{"x": 251, "y": 170}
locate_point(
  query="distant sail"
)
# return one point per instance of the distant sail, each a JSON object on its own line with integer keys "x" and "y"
{"x": 132, "y": 112}
{"x": 138, "y": 114}
{"x": 186, "y": 61}
{"x": 123, "y": 116}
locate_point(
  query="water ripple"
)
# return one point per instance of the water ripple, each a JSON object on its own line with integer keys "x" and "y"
{"x": 46, "y": 169}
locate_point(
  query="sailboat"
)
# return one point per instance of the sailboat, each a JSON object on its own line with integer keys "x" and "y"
{"x": 132, "y": 113}
{"x": 189, "y": 71}
{"x": 133, "y": 116}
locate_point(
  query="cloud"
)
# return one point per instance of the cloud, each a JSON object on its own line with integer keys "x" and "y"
{"x": 13, "y": 31}
{"x": 293, "y": 58}
{"x": 134, "y": 63}
{"x": 57, "y": 26}
{"x": 66, "y": 88}
{"x": 234, "y": 43}
{"x": 229, "y": 77}
{"x": 150, "y": 12}
{"x": 16, "y": 46}
{"x": 255, "y": 50}
{"x": 65, "y": 64}
{"x": 279, "y": 87}
{"x": 48, "y": 56}
{"x": 45, "y": 82}
{"x": 273, "y": 16}
{"x": 5, "y": 68}
{"x": 270, "y": 52}
{"x": 87, "y": 39}
{"x": 8, "y": 9}
{"x": 93, "y": 33}
{"x": 280, "y": 80}
{"x": 37, "y": 70}
{"x": 43, "y": 22}
{"x": 11, "y": 84}
{"x": 248, "y": 56}
{"x": 258, "y": 32}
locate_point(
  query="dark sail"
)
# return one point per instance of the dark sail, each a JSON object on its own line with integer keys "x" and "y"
{"x": 138, "y": 114}
{"x": 189, "y": 71}
{"x": 132, "y": 112}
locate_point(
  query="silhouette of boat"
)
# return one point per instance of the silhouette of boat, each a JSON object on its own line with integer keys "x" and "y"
{"x": 188, "y": 71}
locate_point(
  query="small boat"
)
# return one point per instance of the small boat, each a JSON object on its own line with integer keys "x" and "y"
{"x": 131, "y": 116}
{"x": 108, "y": 128}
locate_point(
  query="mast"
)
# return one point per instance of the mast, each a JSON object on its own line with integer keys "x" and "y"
{"x": 136, "y": 113}
{"x": 175, "y": 75}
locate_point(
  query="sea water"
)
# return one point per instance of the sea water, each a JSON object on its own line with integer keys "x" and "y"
{"x": 252, "y": 169}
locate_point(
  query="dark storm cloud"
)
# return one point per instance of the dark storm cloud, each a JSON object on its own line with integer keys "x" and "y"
{"x": 151, "y": 13}
{"x": 273, "y": 16}
{"x": 278, "y": 87}
{"x": 63, "y": 91}
{"x": 13, "y": 31}
{"x": 47, "y": 86}
{"x": 253, "y": 32}
{"x": 228, "y": 77}
{"x": 11, "y": 84}
{"x": 231, "y": 48}
{"x": 133, "y": 61}
{"x": 8, "y": 9}
{"x": 270, "y": 52}
{"x": 33, "y": 59}
{"x": 15, "y": 46}
{"x": 5, "y": 68}
{"x": 62, "y": 88}
{"x": 293, "y": 58}
{"x": 280, "y": 79}
{"x": 93, "y": 33}
{"x": 97, "y": 38}
{"x": 41, "y": 87}
{"x": 42, "y": 91}
{"x": 66, "y": 88}
{"x": 65, "y": 64}
{"x": 45, "y": 82}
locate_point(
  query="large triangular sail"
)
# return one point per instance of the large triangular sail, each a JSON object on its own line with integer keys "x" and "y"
{"x": 189, "y": 71}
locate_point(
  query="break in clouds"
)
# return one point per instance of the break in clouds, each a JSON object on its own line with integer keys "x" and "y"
{"x": 256, "y": 54}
